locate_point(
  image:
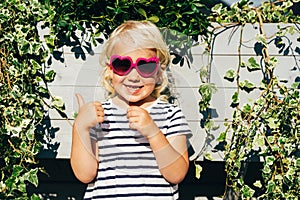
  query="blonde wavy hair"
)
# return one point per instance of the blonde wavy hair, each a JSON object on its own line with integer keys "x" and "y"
{"x": 143, "y": 35}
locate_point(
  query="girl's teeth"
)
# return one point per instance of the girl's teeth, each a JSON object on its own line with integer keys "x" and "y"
{"x": 134, "y": 87}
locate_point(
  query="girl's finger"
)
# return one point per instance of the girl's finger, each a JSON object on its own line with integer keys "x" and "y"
{"x": 100, "y": 119}
{"x": 80, "y": 100}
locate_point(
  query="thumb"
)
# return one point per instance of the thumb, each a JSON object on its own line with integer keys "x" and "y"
{"x": 80, "y": 100}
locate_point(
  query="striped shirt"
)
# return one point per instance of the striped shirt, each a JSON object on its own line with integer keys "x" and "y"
{"x": 127, "y": 168}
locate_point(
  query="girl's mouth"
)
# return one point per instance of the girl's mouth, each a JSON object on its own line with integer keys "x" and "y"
{"x": 133, "y": 88}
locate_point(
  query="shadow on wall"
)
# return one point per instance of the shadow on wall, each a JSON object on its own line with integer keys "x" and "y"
{"x": 47, "y": 132}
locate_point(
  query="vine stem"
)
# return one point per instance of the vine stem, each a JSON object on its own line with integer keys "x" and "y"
{"x": 265, "y": 50}
{"x": 14, "y": 148}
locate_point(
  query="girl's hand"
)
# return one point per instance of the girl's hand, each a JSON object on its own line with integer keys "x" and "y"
{"x": 89, "y": 114}
{"x": 141, "y": 120}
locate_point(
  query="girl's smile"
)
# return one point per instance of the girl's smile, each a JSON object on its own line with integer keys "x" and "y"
{"x": 134, "y": 89}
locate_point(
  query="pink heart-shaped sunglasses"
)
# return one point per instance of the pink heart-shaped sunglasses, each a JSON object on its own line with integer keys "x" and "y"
{"x": 122, "y": 65}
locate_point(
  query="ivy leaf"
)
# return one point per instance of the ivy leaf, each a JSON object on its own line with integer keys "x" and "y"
{"x": 208, "y": 156}
{"x": 203, "y": 73}
{"x": 278, "y": 177}
{"x": 247, "y": 191}
{"x": 258, "y": 141}
{"x": 235, "y": 99}
{"x": 50, "y": 75}
{"x": 217, "y": 8}
{"x": 253, "y": 65}
{"x": 142, "y": 12}
{"x": 35, "y": 66}
{"x": 272, "y": 123}
{"x": 271, "y": 186}
{"x": 222, "y": 137}
{"x": 50, "y": 40}
{"x": 57, "y": 102}
{"x": 21, "y": 7}
{"x": 247, "y": 86}
{"x": 153, "y": 19}
{"x": 261, "y": 38}
{"x": 198, "y": 170}
{"x": 251, "y": 14}
{"x": 229, "y": 75}
{"x": 246, "y": 109}
{"x": 17, "y": 169}
{"x": 21, "y": 186}
{"x": 271, "y": 139}
{"x": 257, "y": 184}
{"x": 35, "y": 197}
{"x": 32, "y": 177}
{"x": 298, "y": 162}
{"x": 270, "y": 160}
{"x": 206, "y": 91}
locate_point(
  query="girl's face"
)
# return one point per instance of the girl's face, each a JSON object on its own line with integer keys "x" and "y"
{"x": 133, "y": 88}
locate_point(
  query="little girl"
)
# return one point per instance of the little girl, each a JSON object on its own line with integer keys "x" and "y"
{"x": 132, "y": 146}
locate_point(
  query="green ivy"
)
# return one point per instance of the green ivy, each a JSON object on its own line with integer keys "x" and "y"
{"x": 186, "y": 20}
{"x": 23, "y": 94}
{"x": 269, "y": 127}
{"x": 25, "y": 73}
{"x": 26, "y": 57}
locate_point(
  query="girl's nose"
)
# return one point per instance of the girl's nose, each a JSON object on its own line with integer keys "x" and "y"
{"x": 133, "y": 75}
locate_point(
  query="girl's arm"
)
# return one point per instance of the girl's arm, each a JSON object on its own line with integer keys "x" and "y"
{"x": 84, "y": 150}
{"x": 171, "y": 156}
{"x": 83, "y": 154}
{"x": 170, "y": 153}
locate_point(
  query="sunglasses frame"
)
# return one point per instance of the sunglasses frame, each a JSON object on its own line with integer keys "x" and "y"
{"x": 134, "y": 65}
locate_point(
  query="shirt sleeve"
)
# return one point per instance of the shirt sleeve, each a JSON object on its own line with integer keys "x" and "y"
{"x": 177, "y": 123}
{"x": 95, "y": 132}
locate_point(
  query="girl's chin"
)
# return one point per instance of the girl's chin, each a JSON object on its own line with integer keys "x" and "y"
{"x": 128, "y": 99}
{"x": 134, "y": 100}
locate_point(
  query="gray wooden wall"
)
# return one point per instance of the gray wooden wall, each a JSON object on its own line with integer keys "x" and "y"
{"x": 83, "y": 76}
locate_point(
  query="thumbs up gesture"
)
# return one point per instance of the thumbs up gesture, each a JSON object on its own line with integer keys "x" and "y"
{"x": 89, "y": 114}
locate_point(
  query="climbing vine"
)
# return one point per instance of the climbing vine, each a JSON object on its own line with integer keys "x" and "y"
{"x": 24, "y": 95}
{"x": 268, "y": 127}
{"x": 32, "y": 34}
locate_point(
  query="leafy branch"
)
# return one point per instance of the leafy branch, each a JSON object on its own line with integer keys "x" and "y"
{"x": 267, "y": 128}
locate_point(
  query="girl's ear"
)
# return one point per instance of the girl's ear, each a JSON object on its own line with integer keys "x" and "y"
{"x": 163, "y": 67}
{"x": 158, "y": 80}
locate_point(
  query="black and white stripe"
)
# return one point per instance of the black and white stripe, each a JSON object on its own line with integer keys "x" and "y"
{"x": 127, "y": 168}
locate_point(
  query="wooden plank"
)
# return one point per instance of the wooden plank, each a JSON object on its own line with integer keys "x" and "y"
{"x": 283, "y": 70}
{"x": 227, "y": 42}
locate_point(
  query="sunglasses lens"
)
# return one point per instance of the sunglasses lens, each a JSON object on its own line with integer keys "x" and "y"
{"x": 121, "y": 67}
{"x": 147, "y": 68}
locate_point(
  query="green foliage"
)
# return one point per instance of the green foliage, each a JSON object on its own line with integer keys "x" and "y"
{"x": 26, "y": 57}
{"x": 23, "y": 94}
{"x": 99, "y": 18}
{"x": 243, "y": 12}
{"x": 269, "y": 127}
